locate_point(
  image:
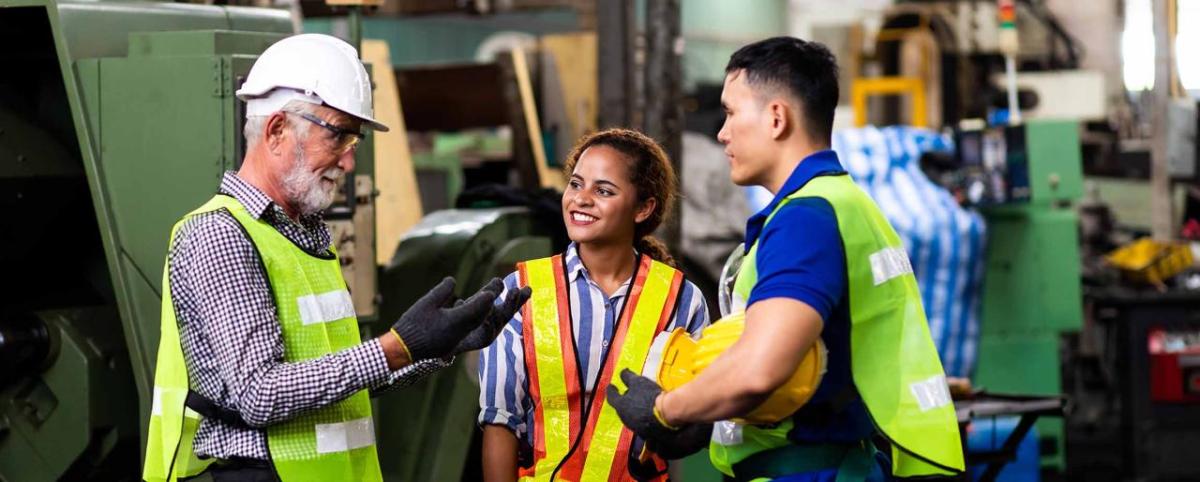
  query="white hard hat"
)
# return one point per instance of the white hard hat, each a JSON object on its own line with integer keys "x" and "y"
{"x": 311, "y": 67}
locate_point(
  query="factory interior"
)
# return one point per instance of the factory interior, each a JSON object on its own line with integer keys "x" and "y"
{"x": 1037, "y": 160}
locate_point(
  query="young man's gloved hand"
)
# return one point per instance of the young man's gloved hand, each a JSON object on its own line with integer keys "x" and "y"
{"x": 636, "y": 409}
{"x": 684, "y": 442}
{"x": 435, "y": 325}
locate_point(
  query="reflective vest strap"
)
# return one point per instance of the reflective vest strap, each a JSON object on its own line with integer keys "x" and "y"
{"x": 571, "y": 369}
{"x": 574, "y": 470}
{"x": 651, "y": 301}
{"x": 550, "y": 363}
{"x": 618, "y": 340}
{"x": 617, "y": 472}
{"x": 531, "y": 369}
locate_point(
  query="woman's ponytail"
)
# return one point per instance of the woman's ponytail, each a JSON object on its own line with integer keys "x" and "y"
{"x": 654, "y": 248}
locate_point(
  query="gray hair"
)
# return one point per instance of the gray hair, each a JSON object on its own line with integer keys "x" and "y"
{"x": 256, "y": 124}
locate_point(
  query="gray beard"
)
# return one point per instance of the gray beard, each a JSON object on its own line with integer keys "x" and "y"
{"x": 303, "y": 187}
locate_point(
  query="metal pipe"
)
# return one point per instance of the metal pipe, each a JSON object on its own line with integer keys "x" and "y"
{"x": 1162, "y": 219}
{"x": 1006, "y": 11}
{"x": 354, "y": 18}
{"x": 1014, "y": 108}
{"x": 664, "y": 84}
{"x": 615, "y": 29}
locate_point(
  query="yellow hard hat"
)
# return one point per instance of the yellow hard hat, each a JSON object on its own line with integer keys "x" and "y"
{"x": 678, "y": 359}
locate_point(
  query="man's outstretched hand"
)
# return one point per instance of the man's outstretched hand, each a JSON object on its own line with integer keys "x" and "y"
{"x": 487, "y": 332}
{"x": 435, "y": 325}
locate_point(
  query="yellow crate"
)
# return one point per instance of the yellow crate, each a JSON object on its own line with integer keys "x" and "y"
{"x": 1150, "y": 261}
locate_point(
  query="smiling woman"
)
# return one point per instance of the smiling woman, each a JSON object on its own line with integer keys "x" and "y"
{"x": 594, "y": 311}
{"x": 627, "y": 176}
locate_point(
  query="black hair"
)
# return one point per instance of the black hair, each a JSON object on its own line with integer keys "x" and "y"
{"x": 806, "y": 70}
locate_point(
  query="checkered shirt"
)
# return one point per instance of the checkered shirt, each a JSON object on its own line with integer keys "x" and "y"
{"x": 232, "y": 340}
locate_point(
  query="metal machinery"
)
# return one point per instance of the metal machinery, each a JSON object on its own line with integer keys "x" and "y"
{"x": 1136, "y": 374}
{"x": 955, "y": 48}
{"x": 1025, "y": 179}
{"x": 115, "y": 120}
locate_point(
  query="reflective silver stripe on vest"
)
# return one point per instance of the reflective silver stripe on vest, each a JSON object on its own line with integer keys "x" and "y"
{"x": 931, "y": 393}
{"x": 889, "y": 263}
{"x": 325, "y": 307}
{"x": 727, "y": 433}
{"x": 156, "y": 403}
{"x": 343, "y": 436}
{"x": 156, "y": 408}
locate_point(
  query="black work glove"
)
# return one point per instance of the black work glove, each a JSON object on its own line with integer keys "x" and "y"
{"x": 683, "y": 442}
{"x": 636, "y": 407}
{"x": 435, "y": 324}
{"x": 499, "y": 316}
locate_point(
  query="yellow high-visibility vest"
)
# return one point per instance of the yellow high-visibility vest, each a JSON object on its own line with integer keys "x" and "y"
{"x": 316, "y": 317}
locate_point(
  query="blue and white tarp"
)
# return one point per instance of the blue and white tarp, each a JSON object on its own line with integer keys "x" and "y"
{"x": 945, "y": 241}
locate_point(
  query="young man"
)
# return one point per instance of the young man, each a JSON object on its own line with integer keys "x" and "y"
{"x": 821, "y": 262}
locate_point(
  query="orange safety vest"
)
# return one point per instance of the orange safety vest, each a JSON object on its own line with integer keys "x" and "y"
{"x": 564, "y": 448}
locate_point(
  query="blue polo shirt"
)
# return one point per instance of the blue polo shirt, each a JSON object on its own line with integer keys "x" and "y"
{"x": 800, "y": 256}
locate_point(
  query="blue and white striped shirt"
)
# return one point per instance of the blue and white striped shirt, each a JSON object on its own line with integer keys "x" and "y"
{"x": 504, "y": 395}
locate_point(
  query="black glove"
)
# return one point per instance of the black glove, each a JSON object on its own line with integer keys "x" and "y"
{"x": 636, "y": 407}
{"x": 434, "y": 325}
{"x": 682, "y": 443}
{"x": 500, "y": 315}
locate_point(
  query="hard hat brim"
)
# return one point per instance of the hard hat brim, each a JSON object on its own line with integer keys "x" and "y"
{"x": 374, "y": 124}
{"x": 248, "y": 93}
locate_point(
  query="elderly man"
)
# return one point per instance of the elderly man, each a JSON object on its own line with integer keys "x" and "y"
{"x": 261, "y": 374}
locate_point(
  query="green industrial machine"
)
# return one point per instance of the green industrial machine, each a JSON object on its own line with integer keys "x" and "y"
{"x": 1032, "y": 286}
{"x": 100, "y": 148}
{"x": 115, "y": 120}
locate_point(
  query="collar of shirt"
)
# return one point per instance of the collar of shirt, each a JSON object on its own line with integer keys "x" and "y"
{"x": 254, "y": 200}
{"x": 576, "y": 270}
{"x": 819, "y": 163}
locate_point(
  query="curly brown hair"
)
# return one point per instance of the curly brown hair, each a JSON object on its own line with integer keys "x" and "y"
{"x": 651, "y": 174}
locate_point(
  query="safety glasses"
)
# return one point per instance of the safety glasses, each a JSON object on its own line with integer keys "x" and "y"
{"x": 346, "y": 139}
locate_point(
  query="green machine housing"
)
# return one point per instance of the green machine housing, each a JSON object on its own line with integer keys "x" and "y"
{"x": 116, "y": 118}
{"x": 1032, "y": 287}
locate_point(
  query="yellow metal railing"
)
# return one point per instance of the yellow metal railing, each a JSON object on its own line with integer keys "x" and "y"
{"x": 862, "y": 88}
